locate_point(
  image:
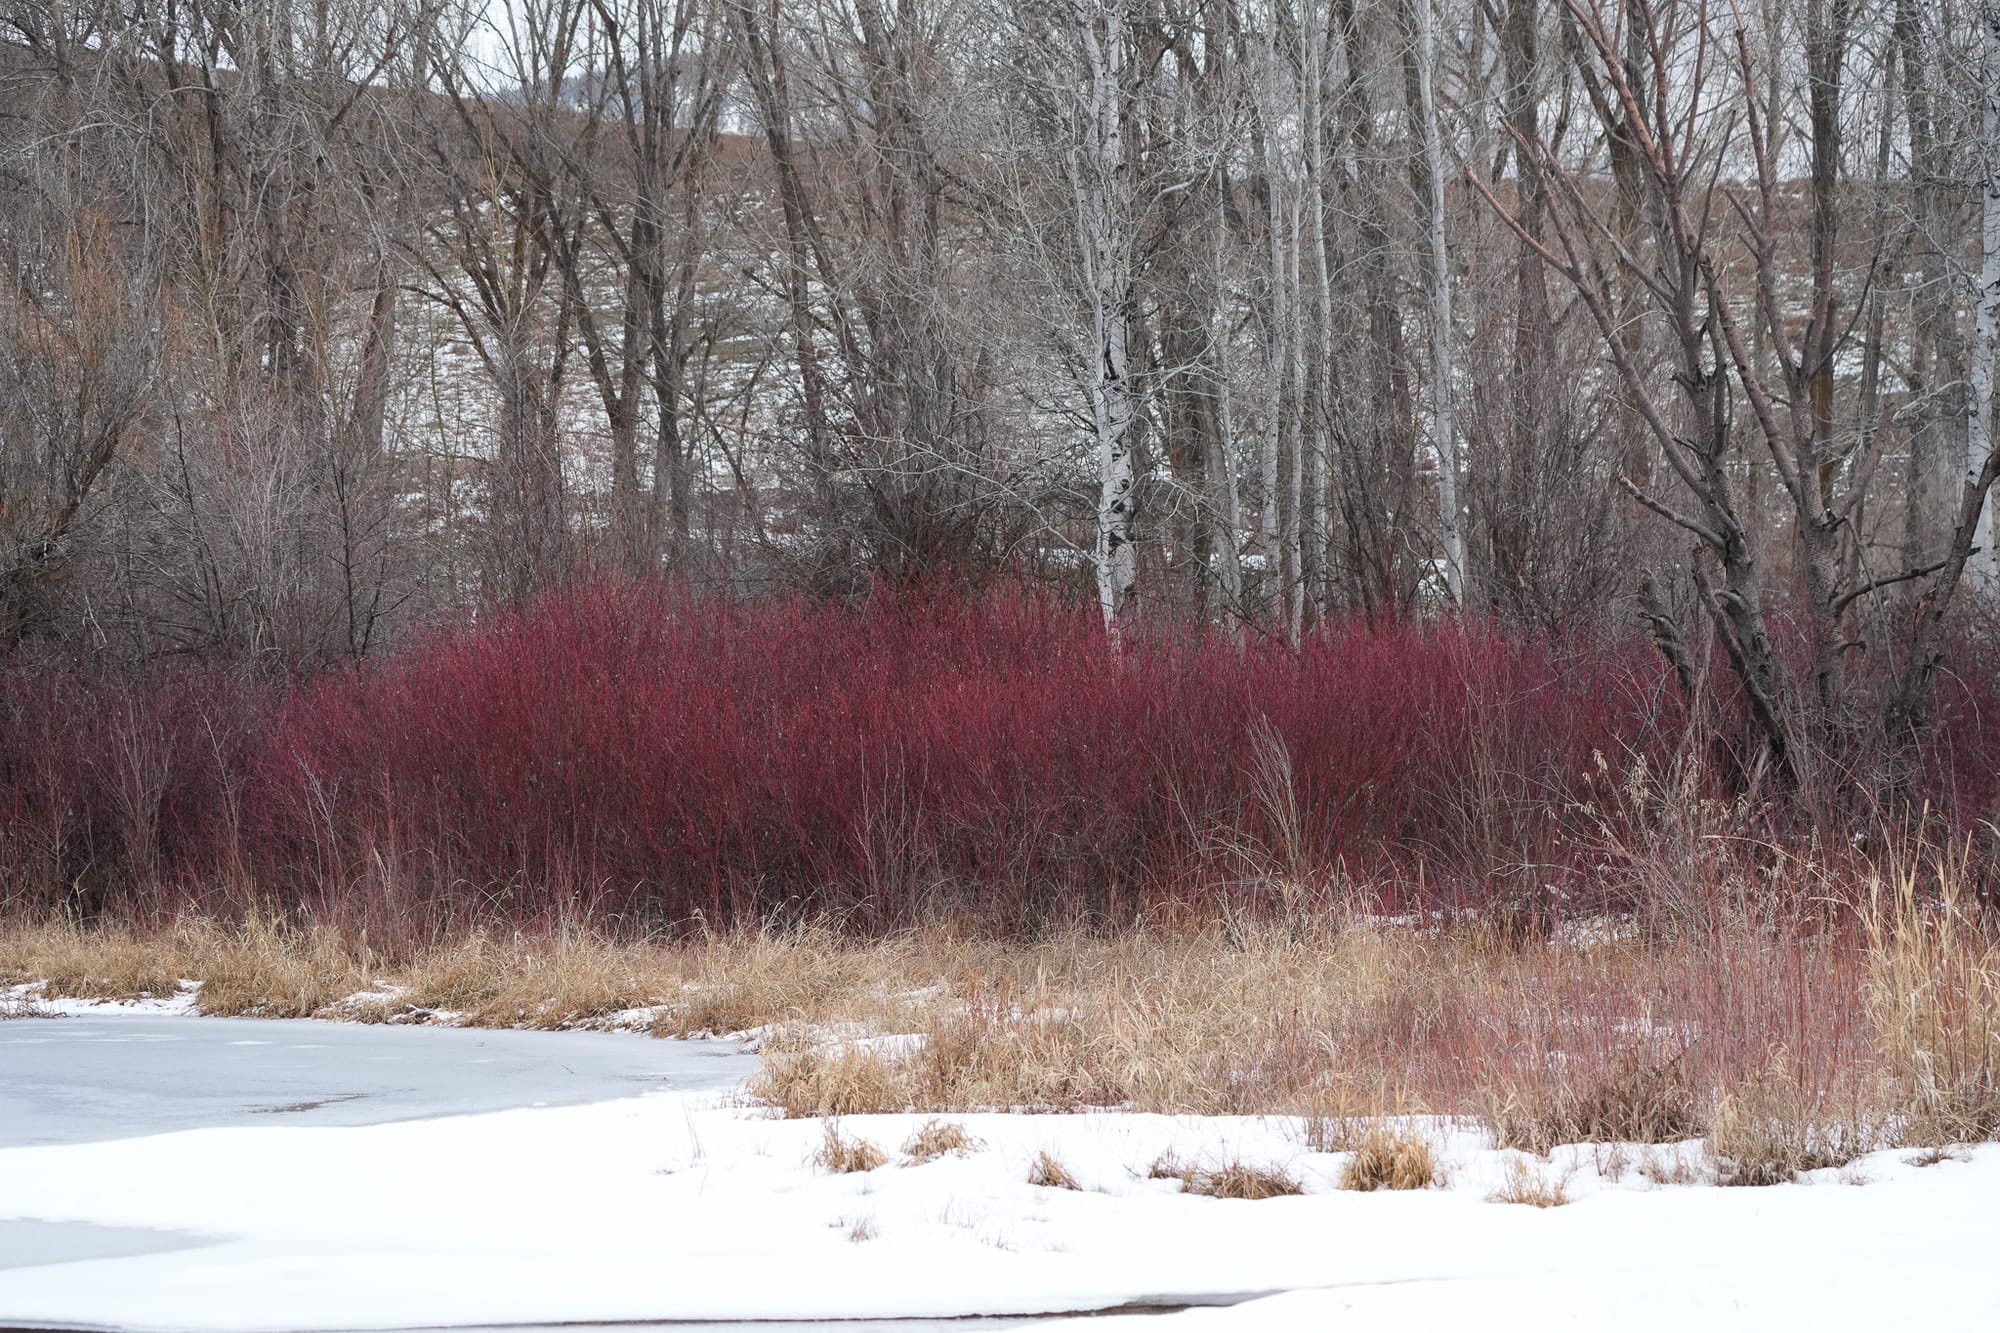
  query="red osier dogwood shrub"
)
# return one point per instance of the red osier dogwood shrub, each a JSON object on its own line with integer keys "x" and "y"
{"x": 646, "y": 755}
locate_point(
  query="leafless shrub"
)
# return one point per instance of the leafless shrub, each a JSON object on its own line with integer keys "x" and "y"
{"x": 1644, "y": 1095}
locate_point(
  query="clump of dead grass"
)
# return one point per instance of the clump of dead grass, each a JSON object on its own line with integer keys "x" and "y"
{"x": 261, "y": 965}
{"x": 938, "y": 1138}
{"x": 1049, "y": 1172}
{"x": 1390, "y": 1157}
{"x": 1241, "y": 1180}
{"x": 1647, "y": 1037}
{"x": 804, "y": 1078}
{"x": 840, "y": 1155}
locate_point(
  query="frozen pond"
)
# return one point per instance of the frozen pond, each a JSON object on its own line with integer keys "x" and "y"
{"x": 104, "y": 1076}
{"x": 89, "y": 1078}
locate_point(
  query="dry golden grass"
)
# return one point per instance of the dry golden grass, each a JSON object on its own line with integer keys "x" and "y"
{"x": 1773, "y": 1124}
{"x": 1645, "y": 1095}
{"x": 803, "y": 1079}
{"x": 938, "y": 1138}
{"x": 256, "y": 967}
{"x": 1933, "y": 998}
{"x": 839, "y": 1155}
{"x": 1049, "y": 1173}
{"x": 272, "y": 970}
{"x": 1388, "y": 1158}
{"x": 93, "y": 963}
{"x": 566, "y": 979}
{"x": 1239, "y": 1180}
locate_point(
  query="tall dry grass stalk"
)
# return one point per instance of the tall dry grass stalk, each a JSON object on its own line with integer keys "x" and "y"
{"x": 1933, "y": 998}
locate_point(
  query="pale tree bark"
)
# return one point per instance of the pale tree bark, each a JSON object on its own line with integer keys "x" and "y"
{"x": 1316, "y": 441}
{"x": 1277, "y": 328}
{"x": 1220, "y": 471}
{"x": 1443, "y": 437}
{"x": 1291, "y": 510}
{"x": 1104, "y": 244}
{"x": 1985, "y": 570}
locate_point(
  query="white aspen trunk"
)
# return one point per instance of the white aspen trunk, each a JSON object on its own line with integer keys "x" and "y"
{"x": 1275, "y": 336}
{"x": 1294, "y": 524}
{"x": 1985, "y": 566}
{"x": 1443, "y": 440}
{"x": 1107, "y": 269}
{"x": 1318, "y": 531}
{"x": 1222, "y": 468}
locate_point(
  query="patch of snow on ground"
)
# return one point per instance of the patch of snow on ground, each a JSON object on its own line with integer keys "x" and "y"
{"x": 694, "y": 1206}
{"x": 677, "y": 1206}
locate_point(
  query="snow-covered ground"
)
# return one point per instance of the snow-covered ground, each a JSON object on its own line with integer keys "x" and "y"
{"x": 692, "y": 1205}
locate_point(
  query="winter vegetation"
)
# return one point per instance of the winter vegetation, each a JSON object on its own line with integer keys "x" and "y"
{"x": 1421, "y": 570}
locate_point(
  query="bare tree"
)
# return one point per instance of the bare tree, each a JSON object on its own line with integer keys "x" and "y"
{"x": 1444, "y": 440}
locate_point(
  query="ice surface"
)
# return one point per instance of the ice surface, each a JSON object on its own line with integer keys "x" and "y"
{"x": 104, "y": 1074}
